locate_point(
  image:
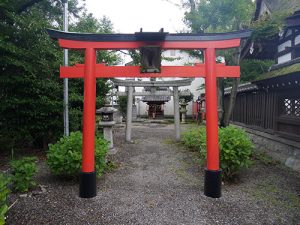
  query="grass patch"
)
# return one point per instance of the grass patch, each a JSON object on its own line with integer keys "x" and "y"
{"x": 111, "y": 166}
{"x": 268, "y": 191}
{"x": 264, "y": 158}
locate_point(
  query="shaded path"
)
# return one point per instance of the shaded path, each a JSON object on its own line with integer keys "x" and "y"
{"x": 159, "y": 182}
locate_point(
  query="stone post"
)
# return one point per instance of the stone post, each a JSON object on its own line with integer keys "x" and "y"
{"x": 183, "y": 110}
{"x": 176, "y": 113}
{"x": 129, "y": 114}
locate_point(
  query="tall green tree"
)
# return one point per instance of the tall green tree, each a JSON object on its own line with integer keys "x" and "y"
{"x": 30, "y": 88}
{"x": 221, "y": 16}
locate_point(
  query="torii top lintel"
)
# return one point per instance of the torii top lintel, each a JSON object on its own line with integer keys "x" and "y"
{"x": 135, "y": 41}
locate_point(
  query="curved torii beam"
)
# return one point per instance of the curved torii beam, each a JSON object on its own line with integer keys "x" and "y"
{"x": 210, "y": 70}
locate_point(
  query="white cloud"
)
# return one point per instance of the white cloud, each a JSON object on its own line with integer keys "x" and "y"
{"x": 128, "y": 16}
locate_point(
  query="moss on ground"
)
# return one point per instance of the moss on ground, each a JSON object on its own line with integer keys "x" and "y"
{"x": 269, "y": 191}
{"x": 264, "y": 158}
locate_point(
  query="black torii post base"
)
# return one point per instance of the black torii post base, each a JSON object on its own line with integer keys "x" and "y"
{"x": 87, "y": 188}
{"x": 213, "y": 183}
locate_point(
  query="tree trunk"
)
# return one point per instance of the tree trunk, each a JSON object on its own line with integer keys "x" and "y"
{"x": 221, "y": 100}
{"x": 221, "y": 106}
{"x": 233, "y": 93}
{"x": 231, "y": 103}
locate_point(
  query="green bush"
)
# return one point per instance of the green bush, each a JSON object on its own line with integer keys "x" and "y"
{"x": 4, "y": 191}
{"x": 235, "y": 148}
{"x": 23, "y": 171}
{"x": 65, "y": 156}
{"x": 195, "y": 138}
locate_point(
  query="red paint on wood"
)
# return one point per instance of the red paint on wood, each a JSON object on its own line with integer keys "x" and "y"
{"x": 89, "y": 109}
{"x": 212, "y": 144}
{"x": 103, "y": 71}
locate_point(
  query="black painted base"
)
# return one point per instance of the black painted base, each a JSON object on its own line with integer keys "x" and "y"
{"x": 213, "y": 183}
{"x": 87, "y": 188}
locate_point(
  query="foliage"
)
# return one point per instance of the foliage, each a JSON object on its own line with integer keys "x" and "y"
{"x": 219, "y": 15}
{"x": 31, "y": 91}
{"x": 135, "y": 56}
{"x": 195, "y": 138}
{"x": 23, "y": 171}
{"x": 251, "y": 69}
{"x": 235, "y": 148}
{"x": 4, "y": 191}
{"x": 65, "y": 156}
{"x": 122, "y": 102}
{"x": 111, "y": 166}
{"x": 269, "y": 25}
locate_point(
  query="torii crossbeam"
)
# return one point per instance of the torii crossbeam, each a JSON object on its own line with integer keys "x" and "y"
{"x": 210, "y": 70}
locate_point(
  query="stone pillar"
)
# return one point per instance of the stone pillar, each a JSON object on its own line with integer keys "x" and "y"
{"x": 108, "y": 132}
{"x": 176, "y": 113}
{"x": 129, "y": 113}
{"x": 183, "y": 111}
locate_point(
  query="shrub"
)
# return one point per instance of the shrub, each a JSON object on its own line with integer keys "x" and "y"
{"x": 195, "y": 138}
{"x": 23, "y": 171}
{"x": 4, "y": 191}
{"x": 235, "y": 148}
{"x": 65, "y": 156}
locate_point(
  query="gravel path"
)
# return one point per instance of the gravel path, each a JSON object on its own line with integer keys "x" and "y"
{"x": 159, "y": 182}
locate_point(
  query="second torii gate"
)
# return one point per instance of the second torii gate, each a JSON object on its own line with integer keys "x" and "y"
{"x": 90, "y": 43}
{"x": 175, "y": 84}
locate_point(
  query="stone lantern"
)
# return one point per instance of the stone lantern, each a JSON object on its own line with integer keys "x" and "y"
{"x": 107, "y": 122}
{"x": 183, "y": 110}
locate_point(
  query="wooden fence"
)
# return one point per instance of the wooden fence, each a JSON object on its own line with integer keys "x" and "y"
{"x": 274, "y": 111}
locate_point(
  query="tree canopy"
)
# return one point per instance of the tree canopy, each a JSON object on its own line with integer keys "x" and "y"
{"x": 218, "y": 15}
{"x": 31, "y": 91}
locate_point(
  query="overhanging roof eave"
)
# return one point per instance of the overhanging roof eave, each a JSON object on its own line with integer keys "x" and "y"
{"x": 91, "y": 37}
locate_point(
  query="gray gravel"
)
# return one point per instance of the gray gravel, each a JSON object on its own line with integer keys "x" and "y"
{"x": 160, "y": 182}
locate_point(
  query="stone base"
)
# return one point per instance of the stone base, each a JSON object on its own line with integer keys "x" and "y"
{"x": 87, "y": 188}
{"x": 281, "y": 149}
{"x": 112, "y": 151}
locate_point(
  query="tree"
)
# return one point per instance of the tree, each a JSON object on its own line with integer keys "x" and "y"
{"x": 221, "y": 16}
{"x": 30, "y": 88}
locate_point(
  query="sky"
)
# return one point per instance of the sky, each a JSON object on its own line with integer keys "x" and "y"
{"x": 128, "y": 16}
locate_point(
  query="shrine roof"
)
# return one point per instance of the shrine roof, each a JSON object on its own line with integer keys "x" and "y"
{"x": 147, "y": 36}
{"x": 281, "y": 71}
{"x": 156, "y": 98}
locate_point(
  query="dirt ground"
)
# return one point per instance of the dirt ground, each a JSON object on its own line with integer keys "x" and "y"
{"x": 160, "y": 182}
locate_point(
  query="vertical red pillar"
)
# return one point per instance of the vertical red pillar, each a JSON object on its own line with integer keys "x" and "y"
{"x": 212, "y": 184}
{"x": 88, "y": 175}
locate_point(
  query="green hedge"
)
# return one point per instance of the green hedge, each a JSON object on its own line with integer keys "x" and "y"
{"x": 4, "y": 191}
{"x": 65, "y": 156}
{"x": 235, "y": 148}
{"x": 23, "y": 171}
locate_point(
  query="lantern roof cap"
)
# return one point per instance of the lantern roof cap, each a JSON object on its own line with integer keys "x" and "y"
{"x": 106, "y": 109}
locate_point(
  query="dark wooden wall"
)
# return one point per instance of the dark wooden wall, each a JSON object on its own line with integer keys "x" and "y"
{"x": 272, "y": 111}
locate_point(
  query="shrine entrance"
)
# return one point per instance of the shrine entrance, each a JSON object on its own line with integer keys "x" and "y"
{"x": 155, "y": 110}
{"x": 150, "y": 45}
{"x": 163, "y": 92}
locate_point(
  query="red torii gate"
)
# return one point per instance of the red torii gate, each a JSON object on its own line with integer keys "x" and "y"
{"x": 210, "y": 70}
